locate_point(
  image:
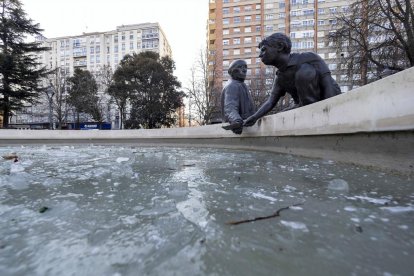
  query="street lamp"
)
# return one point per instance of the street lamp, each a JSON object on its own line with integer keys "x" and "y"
{"x": 49, "y": 93}
{"x": 189, "y": 111}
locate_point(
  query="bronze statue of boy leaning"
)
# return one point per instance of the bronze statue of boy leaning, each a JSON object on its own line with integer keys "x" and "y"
{"x": 305, "y": 76}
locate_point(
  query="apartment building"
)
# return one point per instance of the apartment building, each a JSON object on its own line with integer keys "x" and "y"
{"x": 92, "y": 51}
{"x": 235, "y": 28}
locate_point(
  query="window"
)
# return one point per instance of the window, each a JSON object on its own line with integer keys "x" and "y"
{"x": 258, "y": 39}
{"x": 236, "y": 40}
{"x": 116, "y": 49}
{"x": 296, "y": 45}
{"x": 321, "y": 45}
{"x": 269, "y": 6}
{"x": 236, "y": 52}
{"x": 248, "y": 61}
{"x": 247, "y": 40}
{"x": 332, "y": 10}
{"x": 236, "y": 9}
{"x": 309, "y": 22}
{"x": 226, "y": 21}
{"x": 247, "y": 29}
{"x": 282, "y": 15}
{"x": 123, "y": 46}
{"x": 269, "y": 28}
{"x": 225, "y": 52}
{"x": 131, "y": 36}
{"x": 226, "y": 42}
{"x": 332, "y": 55}
{"x": 247, "y": 8}
{"x": 226, "y": 10}
{"x": 296, "y": 12}
{"x": 308, "y": 34}
{"x": 131, "y": 45}
{"x": 258, "y": 7}
{"x": 92, "y": 49}
{"x": 236, "y": 30}
{"x": 332, "y": 21}
{"x": 226, "y": 63}
{"x": 236, "y": 19}
{"x": 247, "y": 50}
{"x": 321, "y": 11}
{"x": 269, "y": 17}
{"x": 258, "y": 17}
{"x": 321, "y": 34}
{"x": 308, "y": 12}
{"x": 226, "y": 31}
{"x": 321, "y": 22}
{"x": 247, "y": 18}
{"x": 123, "y": 36}
{"x": 307, "y": 44}
{"x": 332, "y": 66}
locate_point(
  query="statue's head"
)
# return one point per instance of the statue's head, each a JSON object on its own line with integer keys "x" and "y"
{"x": 277, "y": 40}
{"x": 238, "y": 70}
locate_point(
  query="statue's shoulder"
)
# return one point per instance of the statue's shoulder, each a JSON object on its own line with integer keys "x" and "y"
{"x": 233, "y": 84}
{"x": 308, "y": 57}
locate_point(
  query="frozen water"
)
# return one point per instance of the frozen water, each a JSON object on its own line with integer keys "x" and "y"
{"x": 124, "y": 210}
{"x": 338, "y": 185}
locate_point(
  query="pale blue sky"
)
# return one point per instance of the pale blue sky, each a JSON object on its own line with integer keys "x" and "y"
{"x": 183, "y": 21}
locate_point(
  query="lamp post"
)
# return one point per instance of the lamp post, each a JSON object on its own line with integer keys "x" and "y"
{"x": 49, "y": 93}
{"x": 189, "y": 111}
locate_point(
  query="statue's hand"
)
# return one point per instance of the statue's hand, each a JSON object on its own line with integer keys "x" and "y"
{"x": 249, "y": 121}
{"x": 236, "y": 127}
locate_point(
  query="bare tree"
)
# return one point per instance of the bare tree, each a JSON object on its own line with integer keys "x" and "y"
{"x": 203, "y": 94}
{"x": 375, "y": 36}
{"x": 103, "y": 78}
{"x": 57, "y": 79}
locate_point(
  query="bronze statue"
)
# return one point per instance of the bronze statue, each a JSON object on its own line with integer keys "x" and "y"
{"x": 236, "y": 101}
{"x": 305, "y": 76}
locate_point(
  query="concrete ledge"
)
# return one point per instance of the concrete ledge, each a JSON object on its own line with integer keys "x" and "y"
{"x": 371, "y": 126}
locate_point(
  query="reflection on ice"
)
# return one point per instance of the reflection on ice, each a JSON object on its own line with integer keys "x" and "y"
{"x": 123, "y": 210}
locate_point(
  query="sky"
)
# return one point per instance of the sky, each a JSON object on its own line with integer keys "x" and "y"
{"x": 183, "y": 22}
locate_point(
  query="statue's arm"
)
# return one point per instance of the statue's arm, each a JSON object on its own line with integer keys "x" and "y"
{"x": 231, "y": 106}
{"x": 329, "y": 87}
{"x": 267, "y": 106}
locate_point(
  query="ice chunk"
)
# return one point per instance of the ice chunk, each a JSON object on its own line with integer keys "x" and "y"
{"x": 350, "y": 209}
{"x": 338, "y": 185}
{"x": 16, "y": 167}
{"x": 295, "y": 225}
{"x": 259, "y": 195}
{"x": 122, "y": 159}
{"x": 399, "y": 209}
{"x": 380, "y": 201}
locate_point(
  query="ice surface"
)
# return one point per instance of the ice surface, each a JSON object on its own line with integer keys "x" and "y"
{"x": 338, "y": 185}
{"x": 126, "y": 210}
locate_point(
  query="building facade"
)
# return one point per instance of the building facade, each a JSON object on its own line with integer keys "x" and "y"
{"x": 235, "y": 27}
{"x": 92, "y": 52}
